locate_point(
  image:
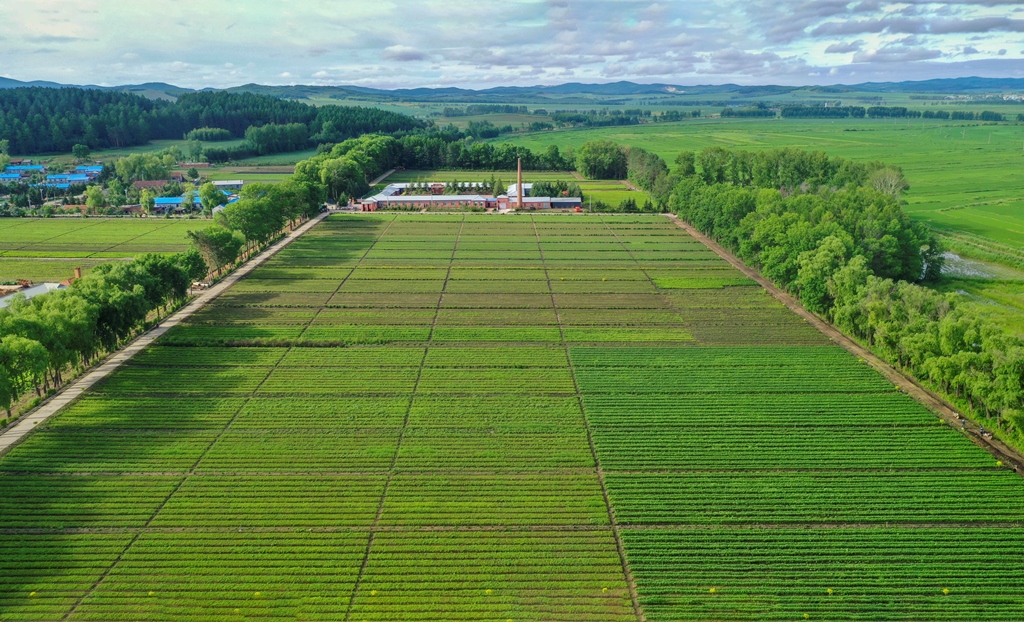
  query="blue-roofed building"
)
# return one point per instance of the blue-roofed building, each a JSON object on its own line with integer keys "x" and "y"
{"x": 89, "y": 169}
{"x": 162, "y": 204}
{"x": 9, "y": 177}
{"x": 25, "y": 169}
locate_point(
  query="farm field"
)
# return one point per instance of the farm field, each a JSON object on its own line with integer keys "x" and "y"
{"x": 963, "y": 175}
{"x": 479, "y": 417}
{"x": 23, "y": 240}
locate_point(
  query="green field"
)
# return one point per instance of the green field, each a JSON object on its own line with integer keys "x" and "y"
{"x": 964, "y": 176}
{"x": 448, "y": 417}
{"x": 96, "y": 238}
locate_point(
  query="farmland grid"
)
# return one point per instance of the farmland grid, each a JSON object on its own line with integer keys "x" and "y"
{"x": 468, "y": 417}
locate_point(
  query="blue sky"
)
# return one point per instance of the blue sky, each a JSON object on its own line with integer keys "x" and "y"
{"x": 482, "y": 43}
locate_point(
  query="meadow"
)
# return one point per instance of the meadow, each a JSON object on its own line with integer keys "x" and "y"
{"x": 963, "y": 175}
{"x": 520, "y": 417}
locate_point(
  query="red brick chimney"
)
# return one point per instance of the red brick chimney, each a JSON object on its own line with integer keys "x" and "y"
{"x": 78, "y": 273}
{"x": 519, "y": 187}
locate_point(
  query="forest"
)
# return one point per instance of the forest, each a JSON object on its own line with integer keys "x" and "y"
{"x": 41, "y": 120}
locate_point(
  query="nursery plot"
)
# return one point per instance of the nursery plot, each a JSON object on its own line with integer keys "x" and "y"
{"x": 440, "y": 417}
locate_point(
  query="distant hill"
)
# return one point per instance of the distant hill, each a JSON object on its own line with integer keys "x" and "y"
{"x": 561, "y": 92}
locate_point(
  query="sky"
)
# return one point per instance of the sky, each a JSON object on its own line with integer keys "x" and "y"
{"x": 485, "y": 43}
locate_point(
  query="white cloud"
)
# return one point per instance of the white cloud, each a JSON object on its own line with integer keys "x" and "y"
{"x": 481, "y": 43}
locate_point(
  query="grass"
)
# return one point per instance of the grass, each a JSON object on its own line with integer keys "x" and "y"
{"x": 962, "y": 174}
{"x": 94, "y": 238}
{"x": 400, "y": 417}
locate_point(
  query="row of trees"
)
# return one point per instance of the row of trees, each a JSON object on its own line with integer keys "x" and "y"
{"x": 43, "y": 338}
{"x": 836, "y": 236}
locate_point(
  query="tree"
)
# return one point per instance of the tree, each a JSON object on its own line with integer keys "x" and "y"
{"x": 147, "y": 201}
{"x": 817, "y": 268}
{"x": 94, "y": 199}
{"x": 144, "y": 167}
{"x": 192, "y": 173}
{"x": 81, "y": 152}
{"x": 211, "y": 197}
{"x": 686, "y": 163}
{"x": 889, "y": 181}
{"x": 217, "y": 246}
{"x": 601, "y": 159}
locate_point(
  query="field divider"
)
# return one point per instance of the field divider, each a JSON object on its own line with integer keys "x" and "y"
{"x": 627, "y": 573}
{"x": 375, "y": 526}
{"x": 903, "y": 382}
{"x": 79, "y": 387}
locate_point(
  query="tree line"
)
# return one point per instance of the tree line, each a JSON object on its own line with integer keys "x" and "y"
{"x": 41, "y": 120}
{"x": 43, "y": 338}
{"x": 833, "y": 233}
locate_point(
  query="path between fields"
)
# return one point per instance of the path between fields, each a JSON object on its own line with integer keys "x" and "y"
{"x": 903, "y": 382}
{"x": 73, "y": 391}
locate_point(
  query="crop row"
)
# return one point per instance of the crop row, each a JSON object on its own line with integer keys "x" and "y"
{"x": 961, "y": 496}
{"x": 940, "y": 574}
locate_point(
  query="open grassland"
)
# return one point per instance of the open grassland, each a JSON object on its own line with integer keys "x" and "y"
{"x": 964, "y": 175}
{"x": 95, "y": 238}
{"x": 447, "y": 417}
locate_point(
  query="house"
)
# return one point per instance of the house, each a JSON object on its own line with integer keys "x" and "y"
{"x": 231, "y": 184}
{"x": 92, "y": 171}
{"x": 7, "y": 178}
{"x": 174, "y": 204}
{"x": 26, "y": 170}
{"x": 31, "y": 292}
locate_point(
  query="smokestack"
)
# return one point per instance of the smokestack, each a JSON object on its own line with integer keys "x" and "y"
{"x": 519, "y": 189}
{"x": 78, "y": 273}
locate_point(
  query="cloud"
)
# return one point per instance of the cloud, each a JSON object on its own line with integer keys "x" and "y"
{"x": 481, "y": 43}
{"x": 844, "y": 48}
{"x": 895, "y": 54}
{"x": 402, "y": 53}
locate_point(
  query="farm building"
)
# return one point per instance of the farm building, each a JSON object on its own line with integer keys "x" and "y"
{"x": 394, "y": 196}
{"x": 31, "y": 292}
{"x": 231, "y": 184}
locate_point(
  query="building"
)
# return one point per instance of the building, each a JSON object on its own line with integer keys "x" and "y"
{"x": 31, "y": 292}
{"x": 513, "y": 190}
{"x": 25, "y": 170}
{"x": 92, "y": 171}
{"x": 174, "y": 204}
{"x": 394, "y": 196}
{"x": 7, "y": 178}
{"x": 231, "y": 184}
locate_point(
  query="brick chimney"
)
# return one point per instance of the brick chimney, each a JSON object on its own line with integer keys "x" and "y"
{"x": 519, "y": 187}
{"x": 78, "y": 273}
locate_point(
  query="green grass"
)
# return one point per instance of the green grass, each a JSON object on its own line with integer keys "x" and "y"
{"x": 400, "y": 417}
{"x": 90, "y": 238}
{"x": 963, "y": 175}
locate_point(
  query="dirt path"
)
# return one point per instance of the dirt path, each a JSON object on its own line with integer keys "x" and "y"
{"x": 903, "y": 382}
{"x": 74, "y": 390}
